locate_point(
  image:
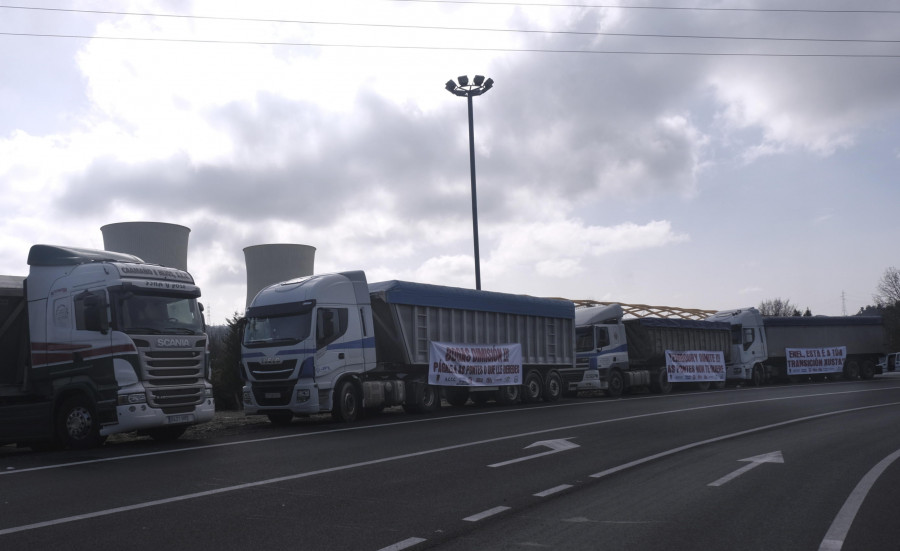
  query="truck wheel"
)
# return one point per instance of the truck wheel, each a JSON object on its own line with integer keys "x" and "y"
{"x": 280, "y": 418}
{"x": 346, "y": 404}
{"x": 509, "y": 395}
{"x": 616, "y": 384}
{"x": 456, "y": 396}
{"x": 534, "y": 387}
{"x": 429, "y": 400}
{"x": 166, "y": 434}
{"x": 553, "y": 387}
{"x": 867, "y": 370}
{"x": 661, "y": 384}
{"x": 76, "y": 424}
{"x": 851, "y": 370}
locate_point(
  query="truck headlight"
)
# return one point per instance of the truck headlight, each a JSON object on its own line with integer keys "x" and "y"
{"x": 303, "y": 395}
{"x": 131, "y": 399}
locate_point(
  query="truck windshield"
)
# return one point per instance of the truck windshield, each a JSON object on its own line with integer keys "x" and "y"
{"x": 584, "y": 339}
{"x": 277, "y": 330}
{"x": 154, "y": 314}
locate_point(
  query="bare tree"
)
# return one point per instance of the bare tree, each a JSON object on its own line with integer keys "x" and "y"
{"x": 777, "y": 307}
{"x": 888, "y": 288}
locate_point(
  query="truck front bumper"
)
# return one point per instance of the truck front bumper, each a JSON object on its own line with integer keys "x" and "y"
{"x": 300, "y": 398}
{"x": 136, "y": 417}
{"x": 590, "y": 381}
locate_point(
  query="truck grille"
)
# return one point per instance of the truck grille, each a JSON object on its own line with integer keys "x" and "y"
{"x": 272, "y": 372}
{"x": 173, "y": 376}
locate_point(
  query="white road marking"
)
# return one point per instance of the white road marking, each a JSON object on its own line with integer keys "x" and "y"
{"x": 693, "y": 445}
{"x": 755, "y": 461}
{"x": 556, "y": 446}
{"x": 440, "y": 419}
{"x": 553, "y": 490}
{"x": 297, "y": 476}
{"x": 834, "y": 538}
{"x": 405, "y": 544}
{"x": 485, "y": 514}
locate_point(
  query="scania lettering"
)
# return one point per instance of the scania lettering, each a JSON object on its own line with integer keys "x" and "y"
{"x": 81, "y": 351}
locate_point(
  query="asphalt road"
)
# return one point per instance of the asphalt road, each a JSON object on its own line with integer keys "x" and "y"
{"x": 779, "y": 467}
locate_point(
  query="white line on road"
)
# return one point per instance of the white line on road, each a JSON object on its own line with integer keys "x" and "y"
{"x": 834, "y": 538}
{"x": 554, "y": 490}
{"x": 756, "y": 461}
{"x": 464, "y": 445}
{"x": 405, "y": 544}
{"x": 485, "y": 514}
{"x": 440, "y": 419}
{"x": 673, "y": 451}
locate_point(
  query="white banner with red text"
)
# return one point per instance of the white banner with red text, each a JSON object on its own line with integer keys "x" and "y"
{"x": 809, "y": 361}
{"x": 695, "y": 366}
{"x": 474, "y": 364}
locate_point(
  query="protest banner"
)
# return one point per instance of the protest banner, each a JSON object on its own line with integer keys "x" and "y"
{"x": 810, "y": 361}
{"x": 695, "y": 366}
{"x": 474, "y": 364}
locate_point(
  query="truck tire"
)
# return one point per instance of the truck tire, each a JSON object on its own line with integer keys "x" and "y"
{"x": 616, "y": 384}
{"x": 166, "y": 434}
{"x": 867, "y": 370}
{"x": 456, "y": 396}
{"x": 661, "y": 384}
{"x": 553, "y": 387}
{"x": 346, "y": 403}
{"x": 851, "y": 370}
{"x": 77, "y": 426}
{"x": 280, "y": 418}
{"x": 534, "y": 387}
{"x": 429, "y": 399}
{"x": 509, "y": 395}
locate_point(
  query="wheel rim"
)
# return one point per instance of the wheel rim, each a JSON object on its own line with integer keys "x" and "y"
{"x": 79, "y": 423}
{"x": 534, "y": 388}
{"x": 349, "y": 403}
{"x": 553, "y": 386}
{"x": 616, "y": 383}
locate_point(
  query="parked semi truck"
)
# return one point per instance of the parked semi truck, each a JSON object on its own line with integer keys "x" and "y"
{"x": 794, "y": 348}
{"x": 334, "y": 343}
{"x": 94, "y": 343}
{"x": 614, "y": 354}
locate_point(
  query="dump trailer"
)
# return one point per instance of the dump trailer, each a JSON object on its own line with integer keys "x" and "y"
{"x": 94, "y": 343}
{"x": 615, "y": 353}
{"x": 333, "y": 343}
{"x": 798, "y": 347}
{"x": 851, "y": 346}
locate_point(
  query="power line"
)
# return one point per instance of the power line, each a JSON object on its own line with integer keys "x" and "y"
{"x": 445, "y": 28}
{"x": 447, "y": 48}
{"x": 669, "y": 8}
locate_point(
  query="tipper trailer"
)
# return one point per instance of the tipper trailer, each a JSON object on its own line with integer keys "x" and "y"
{"x": 797, "y": 347}
{"x": 94, "y": 343}
{"x": 615, "y": 354}
{"x": 334, "y": 343}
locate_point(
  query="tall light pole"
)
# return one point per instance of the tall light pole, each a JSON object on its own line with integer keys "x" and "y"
{"x": 479, "y": 86}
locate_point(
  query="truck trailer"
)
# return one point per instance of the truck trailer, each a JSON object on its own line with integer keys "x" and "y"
{"x": 798, "y": 347}
{"x": 94, "y": 343}
{"x": 334, "y": 343}
{"x": 614, "y": 354}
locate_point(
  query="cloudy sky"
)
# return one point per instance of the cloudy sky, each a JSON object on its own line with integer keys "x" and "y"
{"x": 706, "y": 157}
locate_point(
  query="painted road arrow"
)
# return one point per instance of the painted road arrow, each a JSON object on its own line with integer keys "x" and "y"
{"x": 756, "y": 461}
{"x": 555, "y": 446}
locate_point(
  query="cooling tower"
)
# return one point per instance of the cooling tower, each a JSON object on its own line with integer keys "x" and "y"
{"x": 268, "y": 264}
{"x": 154, "y": 242}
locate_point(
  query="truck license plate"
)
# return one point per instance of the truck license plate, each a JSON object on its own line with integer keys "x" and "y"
{"x": 273, "y": 395}
{"x": 184, "y": 418}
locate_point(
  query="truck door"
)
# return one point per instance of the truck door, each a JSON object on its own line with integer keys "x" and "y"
{"x": 331, "y": 349}
{"x": 90, "y": 350}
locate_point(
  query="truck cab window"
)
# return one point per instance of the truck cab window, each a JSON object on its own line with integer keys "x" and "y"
{"x": 90, "y": 312}
{"x": 331, "y": 324}
{"x": 749, "y": 337}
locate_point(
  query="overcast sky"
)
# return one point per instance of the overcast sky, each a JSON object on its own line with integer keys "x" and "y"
{"x": 610, "y": 166}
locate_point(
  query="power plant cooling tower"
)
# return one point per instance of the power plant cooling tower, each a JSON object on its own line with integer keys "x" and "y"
{"x": 269, "y": 264}
{"x": 154, "y": 242}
